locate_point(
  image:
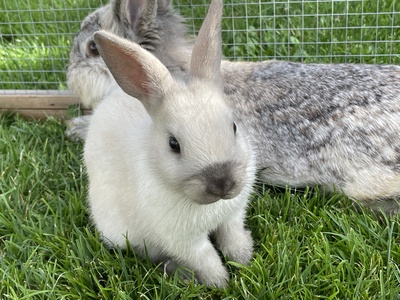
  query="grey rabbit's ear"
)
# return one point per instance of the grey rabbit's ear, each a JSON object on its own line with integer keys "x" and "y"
{"x": 165, "y": 3}
{"x": 207, "y": 51}
{"x": 138, "y": 72}
{"x": 135, "y": 14}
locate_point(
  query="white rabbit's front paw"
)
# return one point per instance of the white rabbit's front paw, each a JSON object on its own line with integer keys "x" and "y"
{"x": 217, "y": 276}
{"x": 204, "y": 260}
{"x": 235, "y": 242}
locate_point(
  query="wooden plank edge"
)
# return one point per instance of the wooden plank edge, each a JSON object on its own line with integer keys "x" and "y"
{"x": 37, "y": 101}
{"x": 39, "y": 104}
{"x": 41, "y": 114}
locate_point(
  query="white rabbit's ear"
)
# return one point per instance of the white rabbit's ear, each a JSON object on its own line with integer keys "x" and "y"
{"x": 134, "y": 13}
{"x": 207, "y": 51}
{"x": 136, "y": 70}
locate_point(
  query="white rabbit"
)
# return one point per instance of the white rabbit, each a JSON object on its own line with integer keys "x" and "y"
{"x": 153, "y": 24}
{"x": 171, "y": 167}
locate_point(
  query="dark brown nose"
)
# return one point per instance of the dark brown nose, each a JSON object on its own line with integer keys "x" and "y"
{"x": 219, "y": 180}
{"x": 221, "y": 187}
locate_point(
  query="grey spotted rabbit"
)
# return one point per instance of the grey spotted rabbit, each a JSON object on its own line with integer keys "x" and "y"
{"x": 332, "y": 125}
{"x": 153, "y": 24}
{"x": 168, "y": 166}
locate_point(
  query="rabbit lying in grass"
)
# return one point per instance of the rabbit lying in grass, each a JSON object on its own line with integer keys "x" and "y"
{"x": 152, "y": 24}
{"x": 170, "y": 167}
{"x": 332, "y": 125}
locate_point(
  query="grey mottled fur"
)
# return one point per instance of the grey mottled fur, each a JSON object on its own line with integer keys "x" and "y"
{"x": 335, "y": 125}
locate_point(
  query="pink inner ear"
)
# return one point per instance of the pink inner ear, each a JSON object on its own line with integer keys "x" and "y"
{"x": 135, "y": 9}
{"x": 139, "y": 73}
{"x": 133, "y": 75}
{"x": 125, "y": 66}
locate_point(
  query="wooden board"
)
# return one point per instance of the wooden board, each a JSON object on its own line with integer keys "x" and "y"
{"x": 38, "y": 104}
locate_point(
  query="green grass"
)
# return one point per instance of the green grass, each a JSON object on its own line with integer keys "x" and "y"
{"x": 307, "y": 245}
{"x": 35, "y": 39}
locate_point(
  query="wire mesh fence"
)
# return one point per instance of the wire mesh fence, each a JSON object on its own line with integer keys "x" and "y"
{"x": 36, "y": 35}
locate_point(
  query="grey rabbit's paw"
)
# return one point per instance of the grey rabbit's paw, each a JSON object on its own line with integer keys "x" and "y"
{"x": 77, "y": 128}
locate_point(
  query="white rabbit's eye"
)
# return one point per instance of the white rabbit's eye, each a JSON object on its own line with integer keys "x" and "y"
{"x": 174, "y": 144}
{"x": 92, "y": 48}
{"x": 234, "y": 128}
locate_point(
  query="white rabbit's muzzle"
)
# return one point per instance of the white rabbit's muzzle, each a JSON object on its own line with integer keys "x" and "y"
{"x": 214, "y": 183}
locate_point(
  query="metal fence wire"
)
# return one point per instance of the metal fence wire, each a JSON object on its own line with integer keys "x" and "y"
{"x": 36, "y": 35}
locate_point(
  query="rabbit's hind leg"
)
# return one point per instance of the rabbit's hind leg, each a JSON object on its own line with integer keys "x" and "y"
{"x": 388, "y": 206}
{"x": 377, "y": 189}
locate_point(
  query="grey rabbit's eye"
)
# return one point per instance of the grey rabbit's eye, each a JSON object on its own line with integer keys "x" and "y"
{"x": 234, "y": 128}
{"x": 92, "y": 49}
{"x": 174, "y": 144}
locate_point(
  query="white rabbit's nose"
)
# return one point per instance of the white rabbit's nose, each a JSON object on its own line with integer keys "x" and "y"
{"x": 213, "y": 183}
{"x": 221, "y": 187}
{"x": 219, "y": 180}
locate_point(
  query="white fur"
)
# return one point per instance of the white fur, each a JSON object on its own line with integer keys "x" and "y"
{"x": 140, "y": 190}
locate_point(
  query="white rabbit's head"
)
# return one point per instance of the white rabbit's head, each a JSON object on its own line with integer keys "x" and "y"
{"x": 194, "y": 143}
